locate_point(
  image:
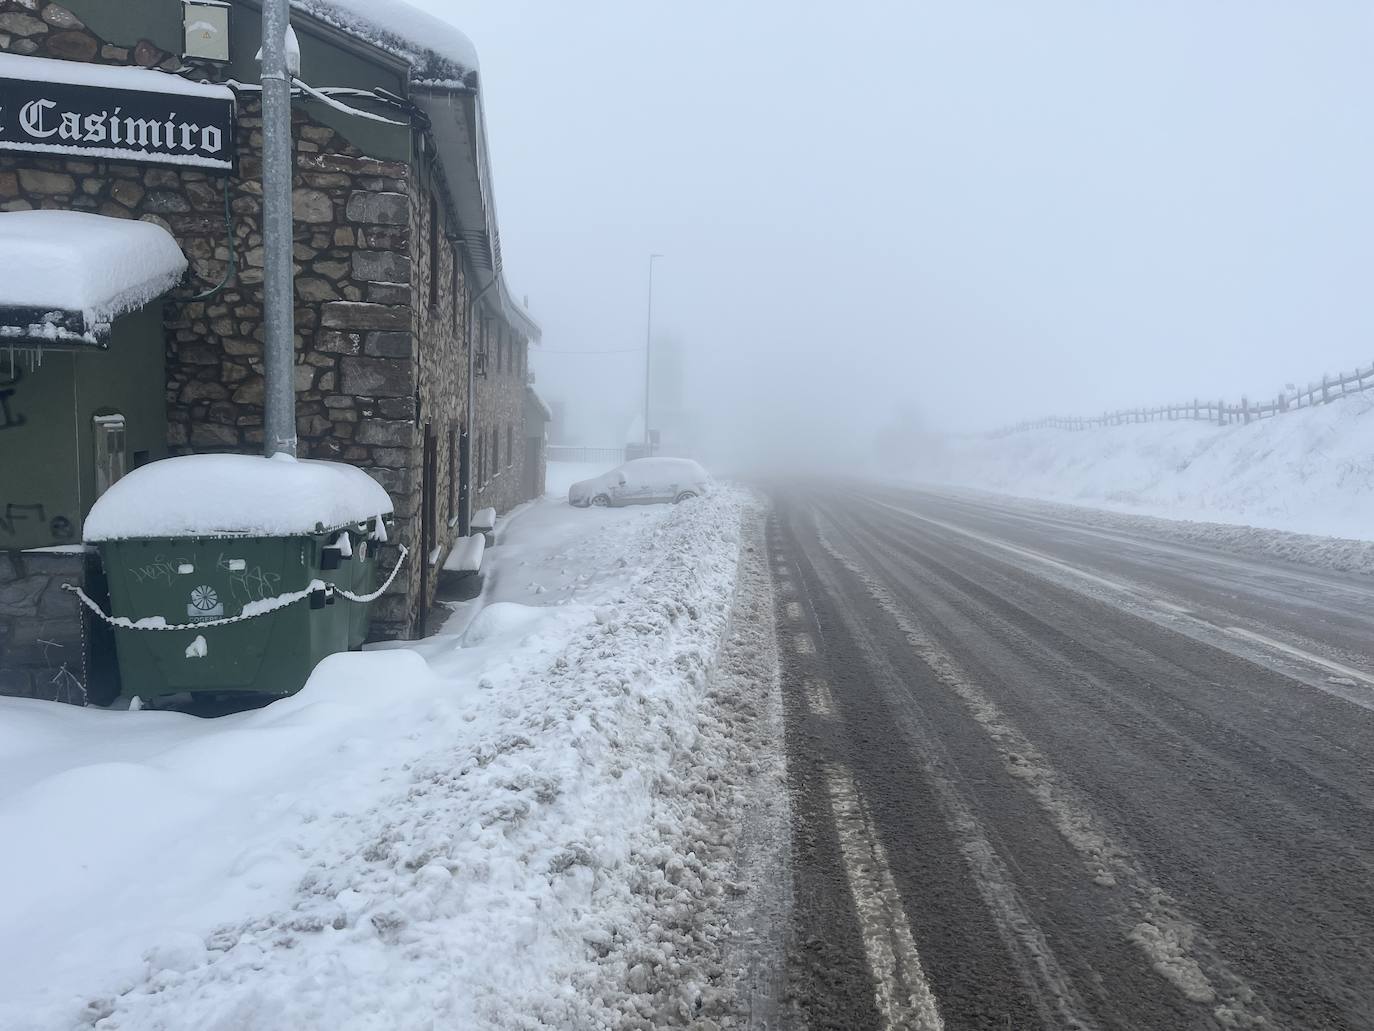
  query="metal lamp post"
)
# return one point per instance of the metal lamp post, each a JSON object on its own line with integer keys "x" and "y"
{"x": 279, "y": 353}
{"x": 648, "y": 354}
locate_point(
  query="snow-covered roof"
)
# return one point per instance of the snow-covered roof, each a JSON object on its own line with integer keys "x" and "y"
{"x": 437, "y": 52}
{"x": 235, "y": 495}
{"x": 104, "y": 76}
{"x": 65, "y": 276}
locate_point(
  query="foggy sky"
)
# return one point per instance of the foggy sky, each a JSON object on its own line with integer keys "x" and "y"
{"x": 985, "y": 210}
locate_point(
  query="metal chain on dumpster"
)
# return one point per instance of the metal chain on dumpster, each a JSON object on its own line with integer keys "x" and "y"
{"x": 259, "y": 608}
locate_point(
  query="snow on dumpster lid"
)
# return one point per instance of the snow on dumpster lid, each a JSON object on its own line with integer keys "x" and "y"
{"x": 235, "y": 495}
{"x": 438, "y": 52}
{"x": 67, "y": 275}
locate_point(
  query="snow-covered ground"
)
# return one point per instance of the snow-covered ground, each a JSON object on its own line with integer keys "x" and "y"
{"x": 521, "y": 823}
{"x": 1310, "y": 471}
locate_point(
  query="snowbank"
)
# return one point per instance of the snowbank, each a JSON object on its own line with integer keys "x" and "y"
{"x": 1310, "y": 471}
{"x": 241, "y": 495}
{"x": 459, "y": 835}
{"x": 75, "y": 261}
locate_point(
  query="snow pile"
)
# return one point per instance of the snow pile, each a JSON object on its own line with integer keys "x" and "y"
{"x": 508, "y": 828}
{"x": 466, "y": 554}
{"x": 437, "y": 51}
{"x": 1310, "y": 471}
{"x": 235, "y": 495}
{"x": 75, "y": 261}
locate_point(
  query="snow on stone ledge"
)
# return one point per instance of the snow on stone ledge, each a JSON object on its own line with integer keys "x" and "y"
{"x": 235, "y": 495}
{"x": 79, "y": 73}
{"x": 75, "y": 261}
{"x": 437, "y": 51}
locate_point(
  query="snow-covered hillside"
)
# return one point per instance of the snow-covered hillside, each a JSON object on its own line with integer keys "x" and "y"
{"x": 1310, "y": 471}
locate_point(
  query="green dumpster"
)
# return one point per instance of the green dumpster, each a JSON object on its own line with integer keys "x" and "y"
{"x": 233, "y": 573}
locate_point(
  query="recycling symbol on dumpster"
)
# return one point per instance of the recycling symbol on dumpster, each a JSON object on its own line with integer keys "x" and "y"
{"x": 205, "y": 603}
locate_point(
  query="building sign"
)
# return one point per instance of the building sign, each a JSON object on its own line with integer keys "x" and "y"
{"x": 186, "y": 124}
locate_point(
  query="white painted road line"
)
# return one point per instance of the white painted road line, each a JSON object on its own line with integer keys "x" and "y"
{"x": 900, "y": 989}
{"x": 1302, "y": 656}
{"x": 818, "y": 697}
{"x": 794, "y": 611}
{"x": 803, "y": 644}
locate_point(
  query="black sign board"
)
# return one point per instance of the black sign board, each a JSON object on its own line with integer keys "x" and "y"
{"x": 181, "y": 125}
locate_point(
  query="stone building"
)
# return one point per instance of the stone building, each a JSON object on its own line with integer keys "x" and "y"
{"x": 412, "y": 353}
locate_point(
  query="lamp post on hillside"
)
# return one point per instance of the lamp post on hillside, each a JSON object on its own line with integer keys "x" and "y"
{"x": 648, "y": 353}
{"x": 279, "y": 352}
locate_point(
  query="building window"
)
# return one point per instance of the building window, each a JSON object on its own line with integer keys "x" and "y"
{"x": 109, "y": 451}
{"x": 433, "y": 252}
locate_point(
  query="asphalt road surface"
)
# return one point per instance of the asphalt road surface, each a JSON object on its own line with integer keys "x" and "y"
{"x": 1046, "y": 774}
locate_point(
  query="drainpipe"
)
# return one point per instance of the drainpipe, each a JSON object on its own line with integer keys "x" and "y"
{"x": 279, "y": 353}
{"x": 466, "y": 524}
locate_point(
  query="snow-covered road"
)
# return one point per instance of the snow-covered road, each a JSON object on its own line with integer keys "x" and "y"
{"x": 525, "y": 822}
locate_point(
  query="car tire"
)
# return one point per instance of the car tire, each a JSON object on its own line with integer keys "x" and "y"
{"x": 601, "y": 501}
{"x": 684, "y": 496}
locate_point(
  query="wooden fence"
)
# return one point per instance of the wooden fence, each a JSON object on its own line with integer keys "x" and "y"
{"x": 1330, "y": 388}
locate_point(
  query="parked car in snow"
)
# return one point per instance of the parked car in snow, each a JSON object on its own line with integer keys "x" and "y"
{"x": 644, "y": 481}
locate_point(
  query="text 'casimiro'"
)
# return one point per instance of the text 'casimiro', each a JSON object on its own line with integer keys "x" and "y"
{"x": 132, "y": 125}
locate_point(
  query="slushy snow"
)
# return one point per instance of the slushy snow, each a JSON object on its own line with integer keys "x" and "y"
{"x": 235, "y": 495}
{"x": 506, "y": 826}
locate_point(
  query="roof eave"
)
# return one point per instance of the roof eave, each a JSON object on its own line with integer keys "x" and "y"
{"x": 459, "y": 134}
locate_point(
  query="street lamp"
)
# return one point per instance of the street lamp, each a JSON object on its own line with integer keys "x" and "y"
{"x": 648, "y": 351}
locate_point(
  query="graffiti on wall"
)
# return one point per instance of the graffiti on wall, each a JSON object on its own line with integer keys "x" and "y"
{"x": 10, "y": 417}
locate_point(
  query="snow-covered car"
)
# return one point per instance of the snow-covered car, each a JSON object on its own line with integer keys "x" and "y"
{"x": 644, "y": 481}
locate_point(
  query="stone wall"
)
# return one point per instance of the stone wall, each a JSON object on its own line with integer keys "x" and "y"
{"x": 42, "y": 636}
{"x": 501, "y": 407}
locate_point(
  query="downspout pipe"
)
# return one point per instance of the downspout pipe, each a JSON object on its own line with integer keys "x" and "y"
{"x": 279, "y": 352}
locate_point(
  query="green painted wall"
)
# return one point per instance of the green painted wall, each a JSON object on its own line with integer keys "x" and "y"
{"x": 47, "y": 446}
{"x": 125, "y": 22}
{"x": 323, "y": 63}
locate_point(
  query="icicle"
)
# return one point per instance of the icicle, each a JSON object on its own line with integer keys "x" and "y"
{"x": 379, "y": 531}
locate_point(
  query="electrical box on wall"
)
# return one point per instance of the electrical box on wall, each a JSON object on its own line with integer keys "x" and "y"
{"x": 207, "y": 30}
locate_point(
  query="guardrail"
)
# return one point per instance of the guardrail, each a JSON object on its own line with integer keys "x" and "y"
{"x": 565, "y": 453}
{"x": 1330, "y": 388}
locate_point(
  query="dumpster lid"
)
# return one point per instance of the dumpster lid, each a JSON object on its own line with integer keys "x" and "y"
{"x": 235, "y": 495}
{"x": 65, "y": 276}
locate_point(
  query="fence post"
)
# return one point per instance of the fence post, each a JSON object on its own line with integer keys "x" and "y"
{"x": 1326, "y": 391}
{"x": 1245, "y": 409}
{"x": 1221, "y": 413}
